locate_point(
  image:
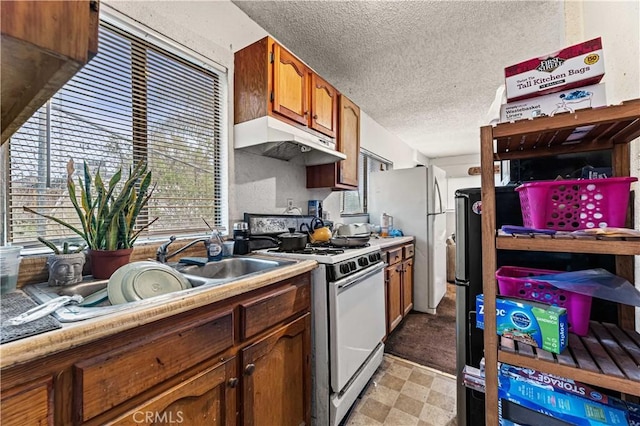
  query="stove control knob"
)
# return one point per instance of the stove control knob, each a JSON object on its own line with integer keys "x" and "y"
{"x": 344, "y": 268}
{"x": 373, "y": 257}
{"x": 352, "y": 265}
{"x": 363, "y": 261}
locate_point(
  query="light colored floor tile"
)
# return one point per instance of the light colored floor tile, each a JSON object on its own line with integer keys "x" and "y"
{"x": 400, "y": 418}
{"x": 374, "y": 409}
{"x": 444, "y": 385}
{"x": 441, "y": 400}
{"x": 382, "y": 394}
{"x": 405, "y": 393}
{"x": 359, "y": 419}
{"x": 400, "y": 370}
{"x": 415, "y": 391}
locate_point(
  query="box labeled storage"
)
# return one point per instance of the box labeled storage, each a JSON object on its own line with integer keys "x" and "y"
{"x": 574, "y": 66}
{"x": 559, "y": 398}
{"x": 555, "y": 103}
{"x": 541, "y": 326}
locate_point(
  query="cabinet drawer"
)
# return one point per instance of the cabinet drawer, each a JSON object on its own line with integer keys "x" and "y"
{"x": 111, "y": 379}
{"x": 207, "y": 395}
{"x": 409, "y": 251}
{"x": 263, "y": 313}
{"x": 30, "y": 404}
{"x": 394, "y": 255}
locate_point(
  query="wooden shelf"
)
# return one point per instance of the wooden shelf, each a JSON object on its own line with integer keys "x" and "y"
{"x": 568, "y": 132}
{"x": 616, "y": 246}
{"x": 607, "y": 355}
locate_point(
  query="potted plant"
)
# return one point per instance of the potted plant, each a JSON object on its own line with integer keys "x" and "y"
{"x": 107, "y": 214}
{"x": 66, "y": 263}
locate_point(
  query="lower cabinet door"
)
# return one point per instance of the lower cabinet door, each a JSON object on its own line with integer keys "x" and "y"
{"x": 277, "y": 377}
{"x": 208, "y": 398}
{"x": 394, "y": 296}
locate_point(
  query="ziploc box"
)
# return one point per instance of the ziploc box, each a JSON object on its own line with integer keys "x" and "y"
{"x": 536, "y": 324}
{"x": 555, "y": 103}
{"x": 574, "y": 66}
{"x": 562, "y": 399}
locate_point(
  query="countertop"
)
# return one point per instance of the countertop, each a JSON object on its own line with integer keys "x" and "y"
{"x": 384, "y": 242}
{"x": 79, "y": 333}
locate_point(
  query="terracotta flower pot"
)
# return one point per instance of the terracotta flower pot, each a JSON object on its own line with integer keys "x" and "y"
{"x": 105, "y": 262}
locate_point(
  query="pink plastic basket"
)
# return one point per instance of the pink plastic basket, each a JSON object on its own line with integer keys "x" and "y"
{"x": 520, "y": 282}
{"x": 567, "y": 205}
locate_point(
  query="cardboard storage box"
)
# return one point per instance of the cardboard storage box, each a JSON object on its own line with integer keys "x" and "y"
{"x": 574, "y": 66}
{"x": 536, "y": 324}
{"x": 555, "y": 103}
{"x": 564, "y": 399}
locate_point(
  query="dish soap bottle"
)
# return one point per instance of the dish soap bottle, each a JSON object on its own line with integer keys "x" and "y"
{"x": 214, "y": 249}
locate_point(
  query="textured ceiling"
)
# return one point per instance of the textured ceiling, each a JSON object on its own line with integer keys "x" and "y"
{"x": 425, "y": 70}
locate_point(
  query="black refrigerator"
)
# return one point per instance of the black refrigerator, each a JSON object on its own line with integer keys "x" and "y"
{"x": 468, "y": 279}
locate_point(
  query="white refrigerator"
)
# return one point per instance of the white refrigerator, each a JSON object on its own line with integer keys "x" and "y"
{"x": 416, "y": 198}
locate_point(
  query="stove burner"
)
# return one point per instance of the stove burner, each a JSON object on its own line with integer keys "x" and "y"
{"x": 312, "y": 250}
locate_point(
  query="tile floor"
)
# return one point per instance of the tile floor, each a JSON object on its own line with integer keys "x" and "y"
{"x": 404, "y": 393}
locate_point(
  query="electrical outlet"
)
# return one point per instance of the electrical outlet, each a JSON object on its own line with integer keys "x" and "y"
{"x": 289, "y": 203}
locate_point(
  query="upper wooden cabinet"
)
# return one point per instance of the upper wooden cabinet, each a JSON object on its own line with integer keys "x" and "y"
{"x": 44, "y": 43}
{"x": 324, "y": 99}
{"x": 269, "y": 80}
{"x": 290, "y": 82}
{"x": 342, "y": 175}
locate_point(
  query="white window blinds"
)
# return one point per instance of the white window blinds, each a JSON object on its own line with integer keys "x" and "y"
{"x": 133, "y": 101}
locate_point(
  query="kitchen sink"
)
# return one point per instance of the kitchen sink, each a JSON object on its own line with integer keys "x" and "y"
{"x": 225, "y": 269}
{"x": 209, "y": 274}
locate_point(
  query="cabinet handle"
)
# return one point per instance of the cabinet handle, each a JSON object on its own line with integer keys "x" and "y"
{"x": 306, "y": 113}
{"x": 249, "y": 369}
{"x": 233, "y": 382}
{"x": 315, "y": 116}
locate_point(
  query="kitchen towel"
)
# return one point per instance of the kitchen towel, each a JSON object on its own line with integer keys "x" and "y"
{"x": 15, "y": 303}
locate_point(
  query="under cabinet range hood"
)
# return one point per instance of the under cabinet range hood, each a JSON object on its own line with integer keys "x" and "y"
{"x": 273, "y": 138}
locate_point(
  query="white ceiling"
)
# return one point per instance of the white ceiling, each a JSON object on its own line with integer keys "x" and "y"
{"x": 425, "y": 70}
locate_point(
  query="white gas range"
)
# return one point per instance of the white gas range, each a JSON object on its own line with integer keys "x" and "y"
{"x": 348, "y": 314}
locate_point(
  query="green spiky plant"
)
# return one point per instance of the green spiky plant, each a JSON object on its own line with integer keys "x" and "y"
{"x": 66, "y": 248}
{"x": 108, "y": 217}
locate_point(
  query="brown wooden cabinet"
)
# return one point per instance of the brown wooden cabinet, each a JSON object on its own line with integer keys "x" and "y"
{"x": 208, "y": 398}
{"x": 44, "y": 43}
{"x": 29, "y": 404}
{"x": 609, "y": 128}
{"x": 398, "y": 284}
{"x": 324, "y": 106}
{"x": 270, "y": 80}
{"x": 342, "y": 175}
{"x": 276, "y": 380}
{"x": 244, "y": 360}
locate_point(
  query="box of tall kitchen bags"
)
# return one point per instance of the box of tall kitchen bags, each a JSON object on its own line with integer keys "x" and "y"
{"x": 555, "y": 103}
{"x": 575, "y": 66}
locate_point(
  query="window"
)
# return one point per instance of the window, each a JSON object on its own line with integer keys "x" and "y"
{"x": 355, "y": 202}
{"x": 134, "y": 101}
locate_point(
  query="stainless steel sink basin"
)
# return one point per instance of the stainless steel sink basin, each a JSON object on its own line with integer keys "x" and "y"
{"x": 210, "y": 274}
{"x": 224, "y": 270}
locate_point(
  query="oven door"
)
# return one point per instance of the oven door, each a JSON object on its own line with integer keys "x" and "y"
{"x": 357, "y": 322}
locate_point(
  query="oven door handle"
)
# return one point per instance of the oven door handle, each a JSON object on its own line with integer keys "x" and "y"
{"x": 358, "y": 276}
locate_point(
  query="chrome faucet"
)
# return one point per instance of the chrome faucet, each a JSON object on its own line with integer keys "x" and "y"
{"x": 162, "y": 254}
